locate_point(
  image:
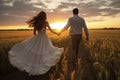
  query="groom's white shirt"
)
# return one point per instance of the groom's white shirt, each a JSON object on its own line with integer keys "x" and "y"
{"x": 76, "y": 24}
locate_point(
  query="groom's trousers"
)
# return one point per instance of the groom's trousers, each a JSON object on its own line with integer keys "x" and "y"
{"x": 75, "y": 39}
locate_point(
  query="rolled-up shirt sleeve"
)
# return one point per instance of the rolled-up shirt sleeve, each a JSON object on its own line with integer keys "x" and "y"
{"x": 85, "y": 28}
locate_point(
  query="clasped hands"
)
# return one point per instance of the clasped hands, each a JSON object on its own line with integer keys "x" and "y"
{"x": 59, "y": 33}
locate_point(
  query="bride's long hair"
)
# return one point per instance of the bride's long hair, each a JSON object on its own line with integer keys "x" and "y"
{"x": 38, "y": 21}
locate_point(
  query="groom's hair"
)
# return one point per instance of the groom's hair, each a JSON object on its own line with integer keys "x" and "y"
{"x": 75, "y": 11}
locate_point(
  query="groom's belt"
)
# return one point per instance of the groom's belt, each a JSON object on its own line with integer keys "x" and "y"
{"x": 76, "y": 35}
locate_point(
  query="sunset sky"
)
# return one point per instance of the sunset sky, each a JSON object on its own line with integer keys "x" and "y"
{"x": 97, "y": 13}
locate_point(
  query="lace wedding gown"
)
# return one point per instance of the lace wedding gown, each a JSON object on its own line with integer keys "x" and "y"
{"x": 36, "y": 55}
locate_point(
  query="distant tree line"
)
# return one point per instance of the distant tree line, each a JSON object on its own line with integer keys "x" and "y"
{"x": 112, "y": 28}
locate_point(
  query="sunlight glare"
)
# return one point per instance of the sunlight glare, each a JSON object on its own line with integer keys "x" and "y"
{"x": 58, "y": 25}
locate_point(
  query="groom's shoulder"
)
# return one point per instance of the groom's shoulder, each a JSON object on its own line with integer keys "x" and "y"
{"x": 71, "y": 17}
{"x": 81, "y": 18}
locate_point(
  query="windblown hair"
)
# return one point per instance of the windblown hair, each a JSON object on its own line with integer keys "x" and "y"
{"x": 38, "y": 21}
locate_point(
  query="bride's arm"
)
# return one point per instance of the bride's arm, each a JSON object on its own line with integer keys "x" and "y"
{"x": 51, "y": 29}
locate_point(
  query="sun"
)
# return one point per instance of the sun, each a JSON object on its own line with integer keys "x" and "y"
{"x": 58, "y": 25}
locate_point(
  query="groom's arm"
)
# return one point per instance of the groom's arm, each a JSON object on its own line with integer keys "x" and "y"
{"x": 86, "y": 30}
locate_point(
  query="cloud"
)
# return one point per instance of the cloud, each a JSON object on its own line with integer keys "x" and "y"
{"x": 115, "y": 4}
{"x": 18, "y": 11}
{"x": 11, "y": 20}
{"x": 103, "y": 8}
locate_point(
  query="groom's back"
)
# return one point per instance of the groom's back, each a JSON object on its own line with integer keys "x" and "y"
{"x": 76, "y": 24}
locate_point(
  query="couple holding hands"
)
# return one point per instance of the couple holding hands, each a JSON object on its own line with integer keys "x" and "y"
{"x": 36, "y": 54}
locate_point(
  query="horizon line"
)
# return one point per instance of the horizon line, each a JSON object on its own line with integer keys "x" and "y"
{"x": 112, "y": 28}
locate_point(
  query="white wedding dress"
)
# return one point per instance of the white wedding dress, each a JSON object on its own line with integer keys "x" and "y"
{"x": 36, "y": 55}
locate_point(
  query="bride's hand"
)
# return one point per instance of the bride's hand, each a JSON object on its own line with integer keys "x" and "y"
{"x": 58, "y": 33}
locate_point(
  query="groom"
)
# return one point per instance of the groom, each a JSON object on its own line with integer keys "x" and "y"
{"x": 76, "y": 24}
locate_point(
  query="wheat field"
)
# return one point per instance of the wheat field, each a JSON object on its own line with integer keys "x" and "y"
{"x": 99, "y": 58}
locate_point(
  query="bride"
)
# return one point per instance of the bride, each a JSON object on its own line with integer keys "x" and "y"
{"x": 36, "y": 55}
